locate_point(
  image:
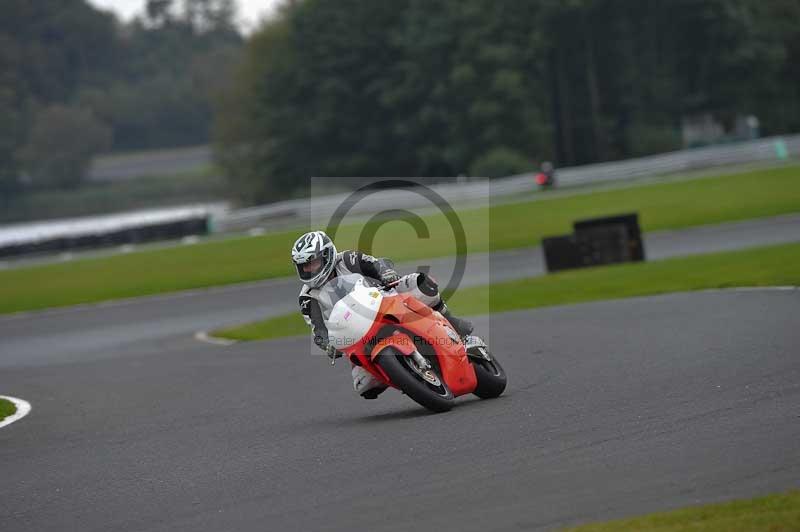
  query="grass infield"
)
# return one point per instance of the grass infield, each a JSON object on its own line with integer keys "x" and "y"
{"x": 763, "y": 266}
{"x": 774, "y": 513}
{"x": 660, "y": 206}
{"x": 7, "y": 408}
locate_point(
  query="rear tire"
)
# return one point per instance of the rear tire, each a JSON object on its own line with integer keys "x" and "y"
{"x": 491, "y": 376}
{"x": 436, "y": 398}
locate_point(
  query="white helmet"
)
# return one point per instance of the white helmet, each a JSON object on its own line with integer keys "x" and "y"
{"x": 309, "y": 247}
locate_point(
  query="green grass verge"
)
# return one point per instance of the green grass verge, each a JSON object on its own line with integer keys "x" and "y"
{"x": 763, "y": 266}
{"x": 774, "y": 513}
{"x": 7, "y": 408}
{"x": 662, "y": 206}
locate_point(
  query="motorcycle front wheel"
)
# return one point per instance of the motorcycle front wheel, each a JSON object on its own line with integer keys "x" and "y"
{"x": 491, "y": 376}
{"x": 425, "y": 386}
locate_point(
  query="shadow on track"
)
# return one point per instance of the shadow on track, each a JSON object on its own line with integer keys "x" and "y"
{"x": 412, "y": 412}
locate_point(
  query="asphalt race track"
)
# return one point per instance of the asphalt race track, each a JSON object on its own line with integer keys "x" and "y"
{"x": 613, "y": 409}
{"x": 130, "y": 326}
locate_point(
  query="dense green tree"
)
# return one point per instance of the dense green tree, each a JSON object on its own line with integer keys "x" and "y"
{"x": 469, "y": 83}
{"x": 11, "y": 127}
{"x": 47, "y": 49}
{"x": 61, "y": 144}
{"x": 429, "y": 88}
{"x": 500, "y": 162}
{"x": 381, "y": 89}
{"x": 158, "y": 12}
{"x": 151, "y": 81}
{"x": 175, "y": 64}
{"x": 210, "y": 15}
{"x": 309, "y": 79}
{"x": 251, "y": 139}
{"x": 58, "y": 45}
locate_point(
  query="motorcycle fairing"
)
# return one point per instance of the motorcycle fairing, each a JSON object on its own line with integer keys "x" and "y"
{"x": 431, "y": 327}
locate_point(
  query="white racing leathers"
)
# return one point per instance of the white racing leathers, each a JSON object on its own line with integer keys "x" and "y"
{"x": 420, "y": 285}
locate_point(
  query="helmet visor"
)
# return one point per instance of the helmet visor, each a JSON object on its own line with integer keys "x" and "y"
{"x": 309, "y": 269}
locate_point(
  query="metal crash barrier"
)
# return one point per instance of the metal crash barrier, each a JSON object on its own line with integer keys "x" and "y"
{"x": 291, "y": 212}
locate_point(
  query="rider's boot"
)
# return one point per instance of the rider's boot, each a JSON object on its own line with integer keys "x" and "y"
{"x": 463, "y": 327}
{"x": 366, "y": 384}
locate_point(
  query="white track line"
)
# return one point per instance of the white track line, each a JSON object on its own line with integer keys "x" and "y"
{"x": 23, "y": 409}
{"x": 750, "y": 289}
{"x": 204, "y": 337}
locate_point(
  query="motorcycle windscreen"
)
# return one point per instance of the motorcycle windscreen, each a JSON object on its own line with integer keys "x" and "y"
{"x": 352, "y": 316}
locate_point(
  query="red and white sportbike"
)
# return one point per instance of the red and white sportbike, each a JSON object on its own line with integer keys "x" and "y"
{"x": 406, "y": 344}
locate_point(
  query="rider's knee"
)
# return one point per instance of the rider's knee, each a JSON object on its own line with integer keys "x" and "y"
{"x": 422, "y": 287}
{"x": 427, "y": 284}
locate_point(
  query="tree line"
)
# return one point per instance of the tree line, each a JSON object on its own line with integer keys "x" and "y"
{"x": 75, "y": 81}
{"x": 423, "y": 88}
{"x": 491, "y": 87}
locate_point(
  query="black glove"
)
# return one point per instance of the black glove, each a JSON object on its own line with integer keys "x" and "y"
{"x": 389, "y": 276}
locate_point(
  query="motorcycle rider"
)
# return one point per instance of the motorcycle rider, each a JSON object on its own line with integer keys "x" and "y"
{"x": 317, "y": 261}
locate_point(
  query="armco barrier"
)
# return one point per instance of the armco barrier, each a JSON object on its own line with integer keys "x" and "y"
{"x": 67, "y": 235}
{"x": 303, "y": 210}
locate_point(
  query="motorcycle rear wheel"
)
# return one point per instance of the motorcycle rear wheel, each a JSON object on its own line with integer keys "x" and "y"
{"x": 435, "y": 397}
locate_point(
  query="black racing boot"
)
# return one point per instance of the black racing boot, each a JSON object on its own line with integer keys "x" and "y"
{"x": 462, "y": 326}
{"x": 374, "y": 392}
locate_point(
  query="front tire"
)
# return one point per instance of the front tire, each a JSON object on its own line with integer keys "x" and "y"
{"x": 491, "y": 376}
{"x": 435, "y": 397}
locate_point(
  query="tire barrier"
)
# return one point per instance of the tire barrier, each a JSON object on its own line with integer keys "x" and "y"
{"x": 103, "y": 237}
{"x": 594, "y": 242}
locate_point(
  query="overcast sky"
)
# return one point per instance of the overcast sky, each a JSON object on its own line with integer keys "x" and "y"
{"x": 250, "y": 11}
